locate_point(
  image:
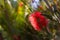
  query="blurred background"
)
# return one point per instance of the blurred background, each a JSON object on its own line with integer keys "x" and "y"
{"x": 29, "y": 19}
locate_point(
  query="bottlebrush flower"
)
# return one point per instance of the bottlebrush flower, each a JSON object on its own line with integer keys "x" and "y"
{"x": 37, "y": 20}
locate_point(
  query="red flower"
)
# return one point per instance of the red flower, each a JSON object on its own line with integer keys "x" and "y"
{"x": 37, "y": 20}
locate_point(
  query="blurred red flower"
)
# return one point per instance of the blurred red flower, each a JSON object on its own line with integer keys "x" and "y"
{"x": 37, "y": 20}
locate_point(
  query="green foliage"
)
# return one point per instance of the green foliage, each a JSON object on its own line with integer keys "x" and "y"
{"x": 12, "y": 22}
